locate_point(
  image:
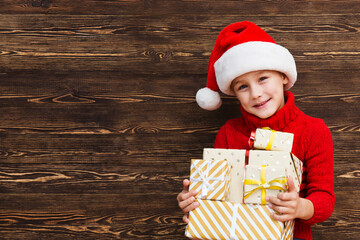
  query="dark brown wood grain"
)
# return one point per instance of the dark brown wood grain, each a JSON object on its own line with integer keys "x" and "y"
{"x": 194, "y": 7}
{"x": 98, "y": 118}
{"x": 73, "y": 43}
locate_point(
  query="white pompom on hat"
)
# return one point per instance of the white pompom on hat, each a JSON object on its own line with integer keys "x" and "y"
{"x": 241, "y": 48}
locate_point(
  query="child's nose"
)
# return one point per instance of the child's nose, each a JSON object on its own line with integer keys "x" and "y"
{"x": 256, "y": 91}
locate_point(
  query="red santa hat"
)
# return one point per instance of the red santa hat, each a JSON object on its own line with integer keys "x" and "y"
{"x": 241, "y": 48}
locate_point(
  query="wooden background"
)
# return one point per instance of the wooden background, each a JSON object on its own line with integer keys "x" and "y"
{"x": 98, "y": 120}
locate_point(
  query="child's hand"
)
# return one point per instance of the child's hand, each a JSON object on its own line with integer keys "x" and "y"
{"x": 186, "y": 200}
{"x": 288, "y": 204}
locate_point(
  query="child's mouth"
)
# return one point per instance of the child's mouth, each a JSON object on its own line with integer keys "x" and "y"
{"x": 262, "y": 104}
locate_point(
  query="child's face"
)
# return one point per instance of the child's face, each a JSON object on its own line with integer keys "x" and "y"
{"x": 260, "y": 93}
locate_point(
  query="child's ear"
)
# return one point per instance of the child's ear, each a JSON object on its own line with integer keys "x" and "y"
{"x": 285, "y": 79}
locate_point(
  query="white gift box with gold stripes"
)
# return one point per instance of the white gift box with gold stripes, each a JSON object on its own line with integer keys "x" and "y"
{"x": 236, "y": 159}
{"x": 269, "y": 139}
{"x": 226, "y": 220}
{"x": 210, "y": 179}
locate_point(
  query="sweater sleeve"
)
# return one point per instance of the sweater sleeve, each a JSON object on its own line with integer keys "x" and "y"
{"x": 220, "y": 141}
{"x": 319, "y": 165}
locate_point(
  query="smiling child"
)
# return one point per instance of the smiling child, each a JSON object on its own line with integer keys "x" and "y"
{"x": 247, "y": 63}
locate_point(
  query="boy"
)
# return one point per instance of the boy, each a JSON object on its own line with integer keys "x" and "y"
{"x": 247, "y": 63}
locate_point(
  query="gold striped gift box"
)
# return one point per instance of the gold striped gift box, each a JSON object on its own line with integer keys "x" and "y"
{"x": 210, "y": 179}
{"x": 226, "y": 220}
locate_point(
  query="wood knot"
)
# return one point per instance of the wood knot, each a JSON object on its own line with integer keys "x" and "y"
{"x": 158, "y": 56}
{"x": 39, "y": 3}
{"x": 143, "y": 130}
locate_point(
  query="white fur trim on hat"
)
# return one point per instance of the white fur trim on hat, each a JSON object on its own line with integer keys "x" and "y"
{"x": 208, "y": 99}
{"x": 253, "y": 56}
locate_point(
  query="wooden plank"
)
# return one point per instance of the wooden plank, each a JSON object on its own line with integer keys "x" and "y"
{"x": 94, "y": 228}
{"x": 173, "y": 7}
{"x": 119, "y": 162}
{"x": 86, "y": 175}
{"x": 122, "y": 86}
{"x": 160, "y": 61}
{"x": 119, "y": 115}
{"x": 113, "y": 42}
{"x": 80, "y": 216}
{"x": 85, "y": 222}
{"x": 287, "y": 28}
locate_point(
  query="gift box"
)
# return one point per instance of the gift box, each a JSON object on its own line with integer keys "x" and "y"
{"x": 293, "y": 165}
{"x": 273, "y": 140}
{"x": 263, "y": 181}
{"x": 210, "y": 179}
{"x": 236, "y": 159}
{"x": 226, "y": 220}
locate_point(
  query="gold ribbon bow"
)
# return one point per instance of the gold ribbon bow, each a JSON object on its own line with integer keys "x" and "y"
{"x": 277, "y": 183}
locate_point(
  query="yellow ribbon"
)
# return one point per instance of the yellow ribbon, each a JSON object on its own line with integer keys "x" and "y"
{"x": 271, "y": 139}
{"x": 277, "y": 184}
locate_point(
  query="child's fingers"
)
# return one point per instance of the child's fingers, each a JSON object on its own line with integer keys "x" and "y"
{"x": 186, "y": 202}
{"x": 274, "y": 201}
{"x": 281, "y": 209}
{"x": 291, "y": 184}
{"x": 185, "y": 195}
{"x": 186, "y": 184}
{"x": 281, "y": 217}
{"x": 191, "y": 207}
{"x": 287, "y": 196}
{"x": 283, "y": 199}
{"x": 277, "y": 204}
{"x": 186, "y": 218}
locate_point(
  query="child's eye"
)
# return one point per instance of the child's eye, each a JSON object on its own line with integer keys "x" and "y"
{"x": 263, "y": 78}
{"x": 242, "y": 87}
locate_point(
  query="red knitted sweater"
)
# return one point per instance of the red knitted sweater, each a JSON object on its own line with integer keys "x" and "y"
{"x": 312, "y": 144}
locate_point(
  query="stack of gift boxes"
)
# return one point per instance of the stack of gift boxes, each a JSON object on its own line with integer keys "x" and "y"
{"x": 232, "y": 186}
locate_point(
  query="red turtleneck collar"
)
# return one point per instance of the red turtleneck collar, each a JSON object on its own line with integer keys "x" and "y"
{"x": 277, "y": 121}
